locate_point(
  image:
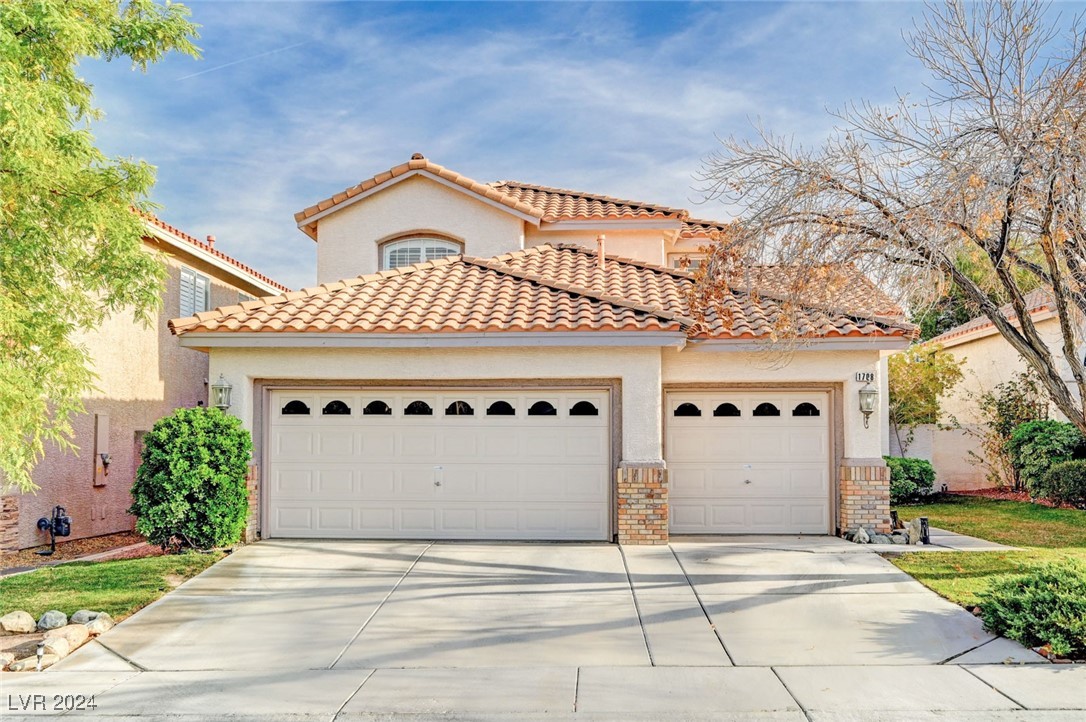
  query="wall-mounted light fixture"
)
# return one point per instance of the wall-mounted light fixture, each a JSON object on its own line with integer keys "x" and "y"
{"x": 869, "y": 399}
{"x": 220, "y": 394}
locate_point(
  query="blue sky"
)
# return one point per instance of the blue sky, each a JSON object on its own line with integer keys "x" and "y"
{"x": 293, "y": 102}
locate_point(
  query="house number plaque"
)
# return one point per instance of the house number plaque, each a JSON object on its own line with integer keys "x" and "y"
{"x": 865, "y": 376}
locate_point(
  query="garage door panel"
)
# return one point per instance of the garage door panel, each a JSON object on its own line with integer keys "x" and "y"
{"x": 334, "y": 482}
{"x": 295, "y": 443}
{"x": 352, "y": 474}
{"x": 746, "y": 473}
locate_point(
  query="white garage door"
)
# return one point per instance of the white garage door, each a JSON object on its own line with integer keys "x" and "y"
{"x": 750, "y": 462}
{"x": 438, "y": 464}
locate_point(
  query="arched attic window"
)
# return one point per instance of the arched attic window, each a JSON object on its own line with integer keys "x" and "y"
{"x": 416, "y": 249}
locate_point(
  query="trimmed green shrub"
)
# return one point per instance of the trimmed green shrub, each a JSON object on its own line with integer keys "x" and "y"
{"x": 1064, "y": 482}
{"x": 190, "y": 489}
{"x": 1036, "y": 446}
{"x": 909, "y": 478}
{"x": 1045, "y": 606}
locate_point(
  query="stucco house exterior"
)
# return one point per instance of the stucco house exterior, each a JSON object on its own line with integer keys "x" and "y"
{"x": 989, "y": 360}
{"x": 477, "y": 363}
{"x": 143, "y": 374}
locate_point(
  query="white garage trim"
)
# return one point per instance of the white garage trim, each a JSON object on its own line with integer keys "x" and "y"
{"x": 733, "y": 471}
{"x": 439, "y": 475}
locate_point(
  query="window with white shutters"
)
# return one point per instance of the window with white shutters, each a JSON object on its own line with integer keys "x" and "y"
{"x": 195, "y": 292}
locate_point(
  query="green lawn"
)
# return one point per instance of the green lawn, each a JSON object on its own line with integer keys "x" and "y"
{"x": 118, "y": 587}
{"x": 1044, "y": 535}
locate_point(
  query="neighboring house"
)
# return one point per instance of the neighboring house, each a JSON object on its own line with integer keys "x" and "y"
{"x": 143, "y": 374}
{"x": 518, "y": 384}
{"x": 989, "y": 361}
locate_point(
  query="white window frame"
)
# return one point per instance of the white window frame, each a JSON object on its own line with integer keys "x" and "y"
{"x": 427, "y": 248}
{"x": 675, "y": 260}
{"x": 195, "y": 296}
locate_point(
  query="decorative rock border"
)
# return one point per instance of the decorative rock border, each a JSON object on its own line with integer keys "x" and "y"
{"x": 62, "y": 636}
{"x": 912, "y": 533}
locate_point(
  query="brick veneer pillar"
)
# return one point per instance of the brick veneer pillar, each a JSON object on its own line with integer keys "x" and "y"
{"x": 865, "y": 495}
{"x": 9, "y": 524}
{"x": 642, "y": 504}
{"x": 252, "y": 525}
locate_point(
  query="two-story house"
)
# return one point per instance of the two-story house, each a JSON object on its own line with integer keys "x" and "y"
{"x": 143, "y": 374}
{"x": 512, "y": 361}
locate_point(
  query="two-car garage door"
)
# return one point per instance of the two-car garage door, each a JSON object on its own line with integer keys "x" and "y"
{"x": 438, "y": 463}
{"x": 748, "y": 462}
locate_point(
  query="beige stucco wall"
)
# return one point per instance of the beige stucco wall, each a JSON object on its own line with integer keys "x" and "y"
{"x": 349, "y": 238}
{"x": 950, "y": 453}
{"x": 644, "y": 245}
{"x": 638, "y": 370}
{"x": 143, "y": 374}
{"x": 701, "y": 366}
{"x": 991, "y": 361}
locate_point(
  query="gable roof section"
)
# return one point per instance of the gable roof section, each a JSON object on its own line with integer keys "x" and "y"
{"x": 544, "y": 288}
{"x": 1037, "y": 301}
{"x": 560, "y": 204}
{"x": 191, "y": 244}
{"x": 541, "y": 203}
{"x": 307, "y": 218}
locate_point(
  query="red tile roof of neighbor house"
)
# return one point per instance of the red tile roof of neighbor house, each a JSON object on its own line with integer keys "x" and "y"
{"x": 208, "y": 248}
{"x": 545, "y": 288}
{"x": 1037, "y": 301}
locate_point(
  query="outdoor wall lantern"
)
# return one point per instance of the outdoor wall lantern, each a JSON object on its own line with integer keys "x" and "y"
{"x": 220, "y": 394}
{"x": 869, "y": 399}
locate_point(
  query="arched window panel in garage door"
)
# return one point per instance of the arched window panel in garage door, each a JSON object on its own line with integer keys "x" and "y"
{"x": 501, "y": 476}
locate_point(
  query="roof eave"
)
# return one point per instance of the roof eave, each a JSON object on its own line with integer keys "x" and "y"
{"x": 499, "y": 339}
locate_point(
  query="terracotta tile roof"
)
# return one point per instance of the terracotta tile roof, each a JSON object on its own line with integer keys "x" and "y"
{"x": 542, "y": 202}
{"x": 696, "y": 228}
{"x": 451, "y": 295}
{"x": 1037, "y": 301}
{"x": 545, "y": 288}
{"x": 755, "y": 308}
{"x": 417, "y": 163}
{"x": 178, "y": 233}
{"x": 559, "y": 204}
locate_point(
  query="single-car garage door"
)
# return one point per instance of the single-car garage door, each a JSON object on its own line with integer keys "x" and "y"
{"x": 748, "y": 462}
{"x": 438, "y": 464}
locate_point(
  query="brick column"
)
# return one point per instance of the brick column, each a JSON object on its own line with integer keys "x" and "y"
{"x": 9, "y": 524}
{"x": 252, "y": 525}
{"x": 642, "y": 503}
{"x": 865, "y": 495}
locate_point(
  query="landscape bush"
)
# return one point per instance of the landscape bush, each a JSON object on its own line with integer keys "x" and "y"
{"x": 190, "y": 487}
{"x": 1036, "y": 446}
{"x": 1064, "y": 482}
{"x": 909, "y": 478}
{"x": 1046, "y": 606}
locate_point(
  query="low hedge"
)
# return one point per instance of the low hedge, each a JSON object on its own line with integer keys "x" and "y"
{"x": 1036, "y": 446}
{"x": 909, "y": 478}
{"x": 1064, "y": 482}
{"x": 1045, "y": 606}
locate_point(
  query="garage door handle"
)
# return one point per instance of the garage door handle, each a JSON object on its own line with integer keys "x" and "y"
{"x": 746, "y": 481}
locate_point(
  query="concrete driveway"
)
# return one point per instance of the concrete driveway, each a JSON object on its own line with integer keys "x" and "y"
{"x": 743, "y": 627}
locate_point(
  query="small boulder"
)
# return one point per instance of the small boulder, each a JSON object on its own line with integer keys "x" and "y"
{"x": 52, "y": 619}
{"x": 82, "y": 616}
{"x": 862, "y": 537}
{"x": 29, "y": 664}
{"x": 914, "y": 531}
{"x": 58, "y": 646}
{"x": 18, "y": 622}
{"x": 6, "y": 658}
{"x": 899, "y": 539}
{"x": 881, "y": 539}
{"x": 76, "y": 634}
{"x": 101, "y": 623}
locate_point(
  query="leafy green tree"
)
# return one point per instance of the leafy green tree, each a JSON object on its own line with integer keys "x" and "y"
{"x": 919, "y": 377}
{"x": 71, "y": 250}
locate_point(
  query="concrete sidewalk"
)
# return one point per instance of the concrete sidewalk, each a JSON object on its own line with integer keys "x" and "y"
{"x": 737, "y": 628}
{"x": 970, "y": 692}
